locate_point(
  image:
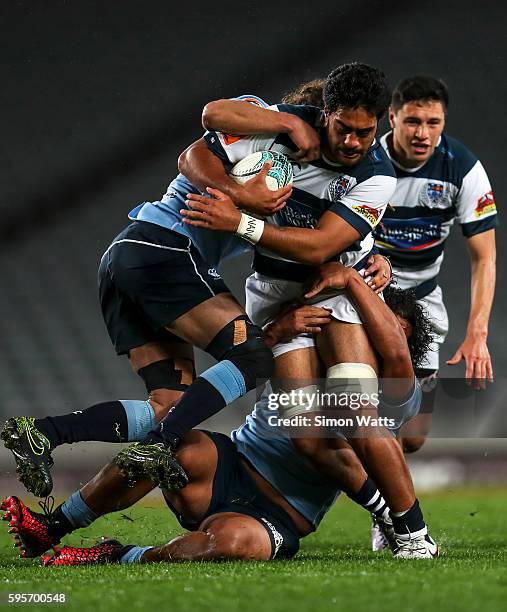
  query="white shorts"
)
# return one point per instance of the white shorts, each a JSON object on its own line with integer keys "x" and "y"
{"x": 265, "y": 296}
{"x": 434, "y": 308}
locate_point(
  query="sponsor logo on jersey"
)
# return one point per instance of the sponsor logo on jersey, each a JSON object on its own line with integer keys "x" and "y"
{"x": 370, "y": 214}
{"x": 295, "y": 215}
{"x": 485, "y": 205}
{"x": 212, "y": 272}
{"x": 409, "y": 234}
{"x": 339, "y": 188}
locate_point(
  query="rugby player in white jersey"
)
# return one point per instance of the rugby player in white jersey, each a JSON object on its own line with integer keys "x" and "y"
{"x": 341, "y": 189}
{"x": 439, "y": 181}
{"x": 253, "y": 497}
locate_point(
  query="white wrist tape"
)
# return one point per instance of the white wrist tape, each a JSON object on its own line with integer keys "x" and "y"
{"x": 250, "y": 228}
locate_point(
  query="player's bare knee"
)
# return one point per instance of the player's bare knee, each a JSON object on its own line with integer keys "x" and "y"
{"x": 233, "y": 542}
{"x": 412, "y": 444}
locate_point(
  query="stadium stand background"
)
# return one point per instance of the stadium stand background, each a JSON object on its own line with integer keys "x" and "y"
{"x": 99, "y": 98}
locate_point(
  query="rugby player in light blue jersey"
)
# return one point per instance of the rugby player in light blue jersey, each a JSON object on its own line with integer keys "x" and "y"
{"x": 439, "y": 181}
{"x": 253, "y": 496}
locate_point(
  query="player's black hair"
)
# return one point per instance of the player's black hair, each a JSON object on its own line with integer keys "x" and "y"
{"x": 309, "y": 93}
{"x": 420, "y": 87}
{"x": 403, "y": 303}
{"x": 357, "y": 85}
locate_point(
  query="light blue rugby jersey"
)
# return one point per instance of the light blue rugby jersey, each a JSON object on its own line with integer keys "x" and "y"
{"x": 271, "y": 452}
{"x": 213, "y": 246}
{"x": 358, "y": 194}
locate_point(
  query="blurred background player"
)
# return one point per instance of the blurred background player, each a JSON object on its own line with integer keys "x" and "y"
{"x": 439, "y": 180}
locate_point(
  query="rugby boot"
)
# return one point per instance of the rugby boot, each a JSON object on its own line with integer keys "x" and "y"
{"x": 422, "y": 547}
{"x": 100, "y": 554}
{"x": 382, "y": 532}
{"x": 34, "y": 533}
{"x": 31, "y": 450}
{"x": 154, "y": 462}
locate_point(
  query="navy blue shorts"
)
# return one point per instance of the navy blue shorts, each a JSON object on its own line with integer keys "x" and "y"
{"x": 149, "y": 277}
{"x": 235, "y": 491}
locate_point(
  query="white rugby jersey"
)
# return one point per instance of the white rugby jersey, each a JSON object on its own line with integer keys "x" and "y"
{"x": 451, "y": 185}
{"x": 358, "y": 194}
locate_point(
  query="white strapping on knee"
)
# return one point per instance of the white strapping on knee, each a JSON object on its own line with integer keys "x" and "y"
{"x": 347, "y": 378}
{"x": 306, "y": 400}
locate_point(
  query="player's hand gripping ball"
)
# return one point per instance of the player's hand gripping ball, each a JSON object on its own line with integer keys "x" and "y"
{"x": 279, "y": 175}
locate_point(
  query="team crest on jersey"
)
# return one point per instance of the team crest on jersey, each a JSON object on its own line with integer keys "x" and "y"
{"x": 338, "y": 188}
{"x": 434, "y": 193}
{"x": 370, "y": 214}
{"x": 485, "y": 205}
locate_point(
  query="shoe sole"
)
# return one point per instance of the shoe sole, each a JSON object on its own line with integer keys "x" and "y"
{"x": 164, "y": 473}
{"x": 14, "y": 515}
{"x": 168, "y": 474}
{"x": 34, "y": 477}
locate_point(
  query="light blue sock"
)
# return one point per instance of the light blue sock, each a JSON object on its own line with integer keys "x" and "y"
{"x": 227, "y": 380}
{"x": 78, "y": 512}
{"x": 140, "y": 419}
{"x": 134, "y": 554}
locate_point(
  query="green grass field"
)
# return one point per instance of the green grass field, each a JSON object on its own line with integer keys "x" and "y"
{"x": 333, "y": 571}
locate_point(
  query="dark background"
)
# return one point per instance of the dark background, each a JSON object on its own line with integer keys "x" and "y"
{"x": 99, "y": 98}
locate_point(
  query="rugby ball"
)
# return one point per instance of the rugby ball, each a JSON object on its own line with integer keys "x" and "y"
{"x": 279, "y": 175}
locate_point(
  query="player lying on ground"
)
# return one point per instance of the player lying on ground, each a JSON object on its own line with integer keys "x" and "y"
{"x": 253, "y": 497}
{"x": 31, "y": 440}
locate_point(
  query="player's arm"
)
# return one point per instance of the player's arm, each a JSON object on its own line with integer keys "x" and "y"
{"x": 311, "y": 246}
{"x": 238, "y": 117}
{"x": 476, "y": 209}
{"x": 474, "y": 348}
{"x": 382, "y": 326}
{"x": 203, "y": 168}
